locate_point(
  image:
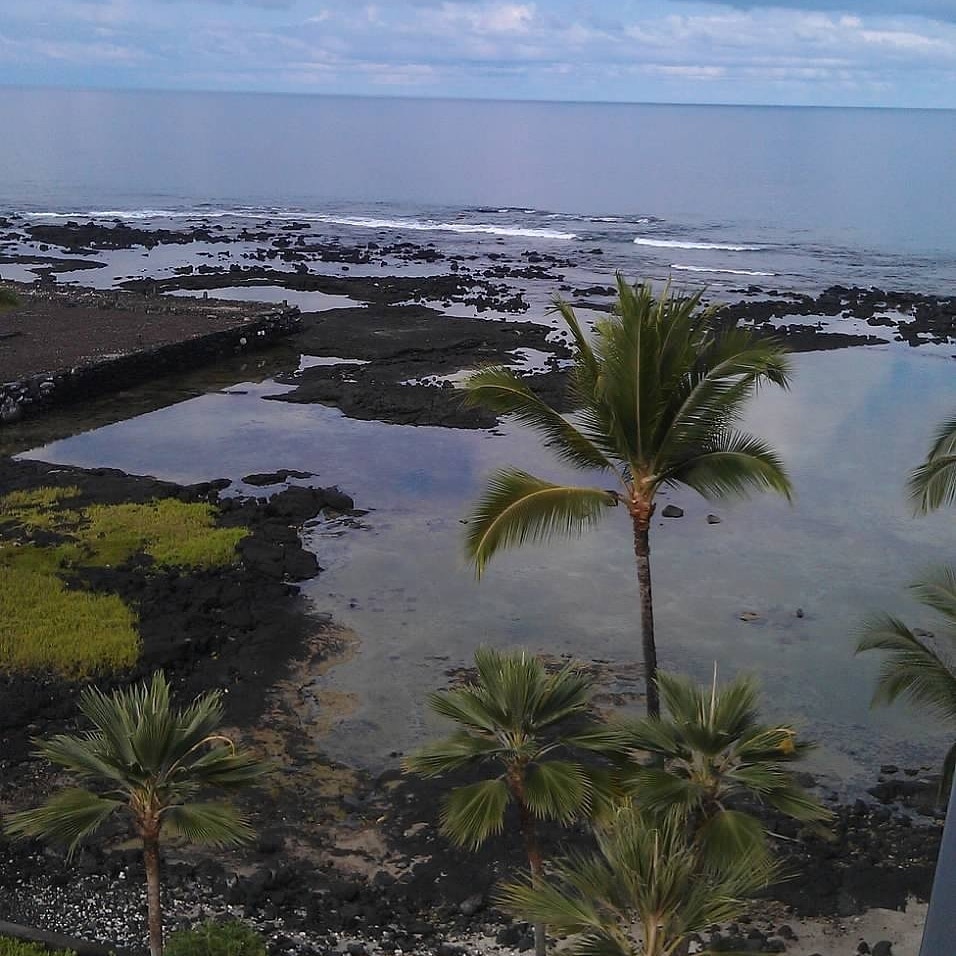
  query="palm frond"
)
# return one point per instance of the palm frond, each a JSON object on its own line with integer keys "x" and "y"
{"x": 69, "y": 817}
{"x": 645, "y": 875}
{"x": 546, "y": 903}
{"x": 459, "y": 750}
{"x": 216, "y": 824}
{"x": 585, "y": 361}
{"x": 517, "y": 507}
{"x": 223, "y": 766}
{"x": 557, "y": 790}
{"x": 795, "y": 803}
{"x": 659, "y": 791}
{"x": 912, "y": 668}
{"x": 933, "y": 484}
{"x": 736, "y": 464}
{"x": 89, "y": 757}
{"x": 467, "y": 706}
{"x": 566, "y": 693}
{"x": 937, "y": 590}
{"x": 730, "y": 834}
{"x": 473, "y": 813}
{"x": 501, "y": 391}
{"x": 152, "y": 758}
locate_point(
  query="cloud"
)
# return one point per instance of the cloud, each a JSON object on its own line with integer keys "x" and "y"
{"x": 730, "y": 50}
{"x": 944, "y": 10}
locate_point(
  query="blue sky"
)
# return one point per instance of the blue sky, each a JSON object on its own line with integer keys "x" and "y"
{"x": 816, "y": 52}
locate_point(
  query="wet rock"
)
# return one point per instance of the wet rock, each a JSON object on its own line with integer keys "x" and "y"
{"x": 713, "y": 519}
{"x": 274, "y": 477}
{"x": 672, "y": 511}
{"x": 883, "y": 948}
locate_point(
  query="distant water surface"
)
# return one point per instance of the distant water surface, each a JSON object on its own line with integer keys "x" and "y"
{"x": 795, "y": 196}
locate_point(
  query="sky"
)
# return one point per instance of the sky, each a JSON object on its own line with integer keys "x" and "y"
{"x": 898, "y": 53}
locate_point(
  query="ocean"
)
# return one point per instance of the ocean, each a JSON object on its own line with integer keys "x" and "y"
{"x": 727, "y": 197}
{"x": 794, "y": 198}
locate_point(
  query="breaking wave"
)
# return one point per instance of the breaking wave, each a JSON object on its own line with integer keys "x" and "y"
{"x": 731, "y": 272}
{"x": 681, "y": 244}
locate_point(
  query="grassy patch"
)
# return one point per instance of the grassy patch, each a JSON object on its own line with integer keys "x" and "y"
{"x": 20, "y": 947}
{"x": 44, "y": 626}
{"x": 174, "y": 533}
{"x": 39, "y": 508}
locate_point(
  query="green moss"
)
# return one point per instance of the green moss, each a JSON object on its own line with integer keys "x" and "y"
{"x": 40, "y": 508}
{"x": 30, "y": 557}
{"x": 44, "y": 626}
{"x": 212, "y": 938}
{"x": 174, "y": 533}
{"x": 19, "y": 947}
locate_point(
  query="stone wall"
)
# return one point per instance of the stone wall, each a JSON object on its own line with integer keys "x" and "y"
{"x": 35, "y": 393}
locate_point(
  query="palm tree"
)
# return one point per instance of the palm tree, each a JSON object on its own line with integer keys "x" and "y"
{"x": 710, "y": 752}
{"x": 646, "y": 879}
{"x": 659, "y": 393}
{"x": 920, "y": 667}
{"x": 933, "y": 483}
{"x": 152, "y": 761}
{"x": 509, "y": 717}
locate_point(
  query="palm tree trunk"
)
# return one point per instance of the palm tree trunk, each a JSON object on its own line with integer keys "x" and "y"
{"x": 642, "y": 552}
{"x": 153, "y": 900}
{"x": 529, "y": 833}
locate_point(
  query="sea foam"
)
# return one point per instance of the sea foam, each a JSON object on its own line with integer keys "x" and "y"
{"x": 358, "y": 222}
{"x": 681, "y": 244}
{"x": 732, "y": 272}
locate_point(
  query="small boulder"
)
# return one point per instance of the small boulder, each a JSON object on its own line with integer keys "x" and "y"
{"x": 471, "y": 905}
{"x": 883, "y": 948}
{"x": 713, "y": 519}
{"x": 672, "y": 511}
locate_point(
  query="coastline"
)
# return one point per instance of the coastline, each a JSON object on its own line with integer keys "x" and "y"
{"x": 375, "y": 892}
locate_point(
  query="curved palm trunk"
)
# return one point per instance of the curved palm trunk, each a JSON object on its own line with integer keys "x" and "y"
{"x": 530, "y": 836}
{"x": 642, "y": 553}
{"x": 153, "y": 899}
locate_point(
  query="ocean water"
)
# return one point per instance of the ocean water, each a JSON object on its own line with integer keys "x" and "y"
{"x": 784, "y": 198}
{"x": 788, "y": 197}
{"x": 849, "y": 430}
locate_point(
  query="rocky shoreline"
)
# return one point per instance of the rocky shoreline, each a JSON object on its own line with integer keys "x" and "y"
{"x": 67, "y": 347}
{"x": 345, "y": 862}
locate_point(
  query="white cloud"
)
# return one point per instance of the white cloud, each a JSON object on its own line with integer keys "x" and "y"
{"x": 560, "y": 48}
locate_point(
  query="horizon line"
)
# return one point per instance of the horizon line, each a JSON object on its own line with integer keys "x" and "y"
{"x": 38, "y": 87}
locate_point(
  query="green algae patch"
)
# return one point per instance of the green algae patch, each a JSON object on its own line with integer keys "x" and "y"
{"x": 39, "y": 508}
{"x": 45, "y": 626}
{"x": 47, "y": 538}
{"x": 173, "y": 533}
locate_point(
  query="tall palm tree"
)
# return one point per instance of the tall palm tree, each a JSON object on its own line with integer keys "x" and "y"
{"x": 933, "y": 483}
{"x": 151, "y": 761}
{"x": 644, "y": 892}
{"x": 659, "y": 391}
{"x": 712, "y": 751}
{"x": 510, "y": 717}
{"x": 920, "y": 667}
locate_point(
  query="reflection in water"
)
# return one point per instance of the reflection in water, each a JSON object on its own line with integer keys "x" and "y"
{"x": 850, "y": 429}
{"x": 306, "y": 301}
